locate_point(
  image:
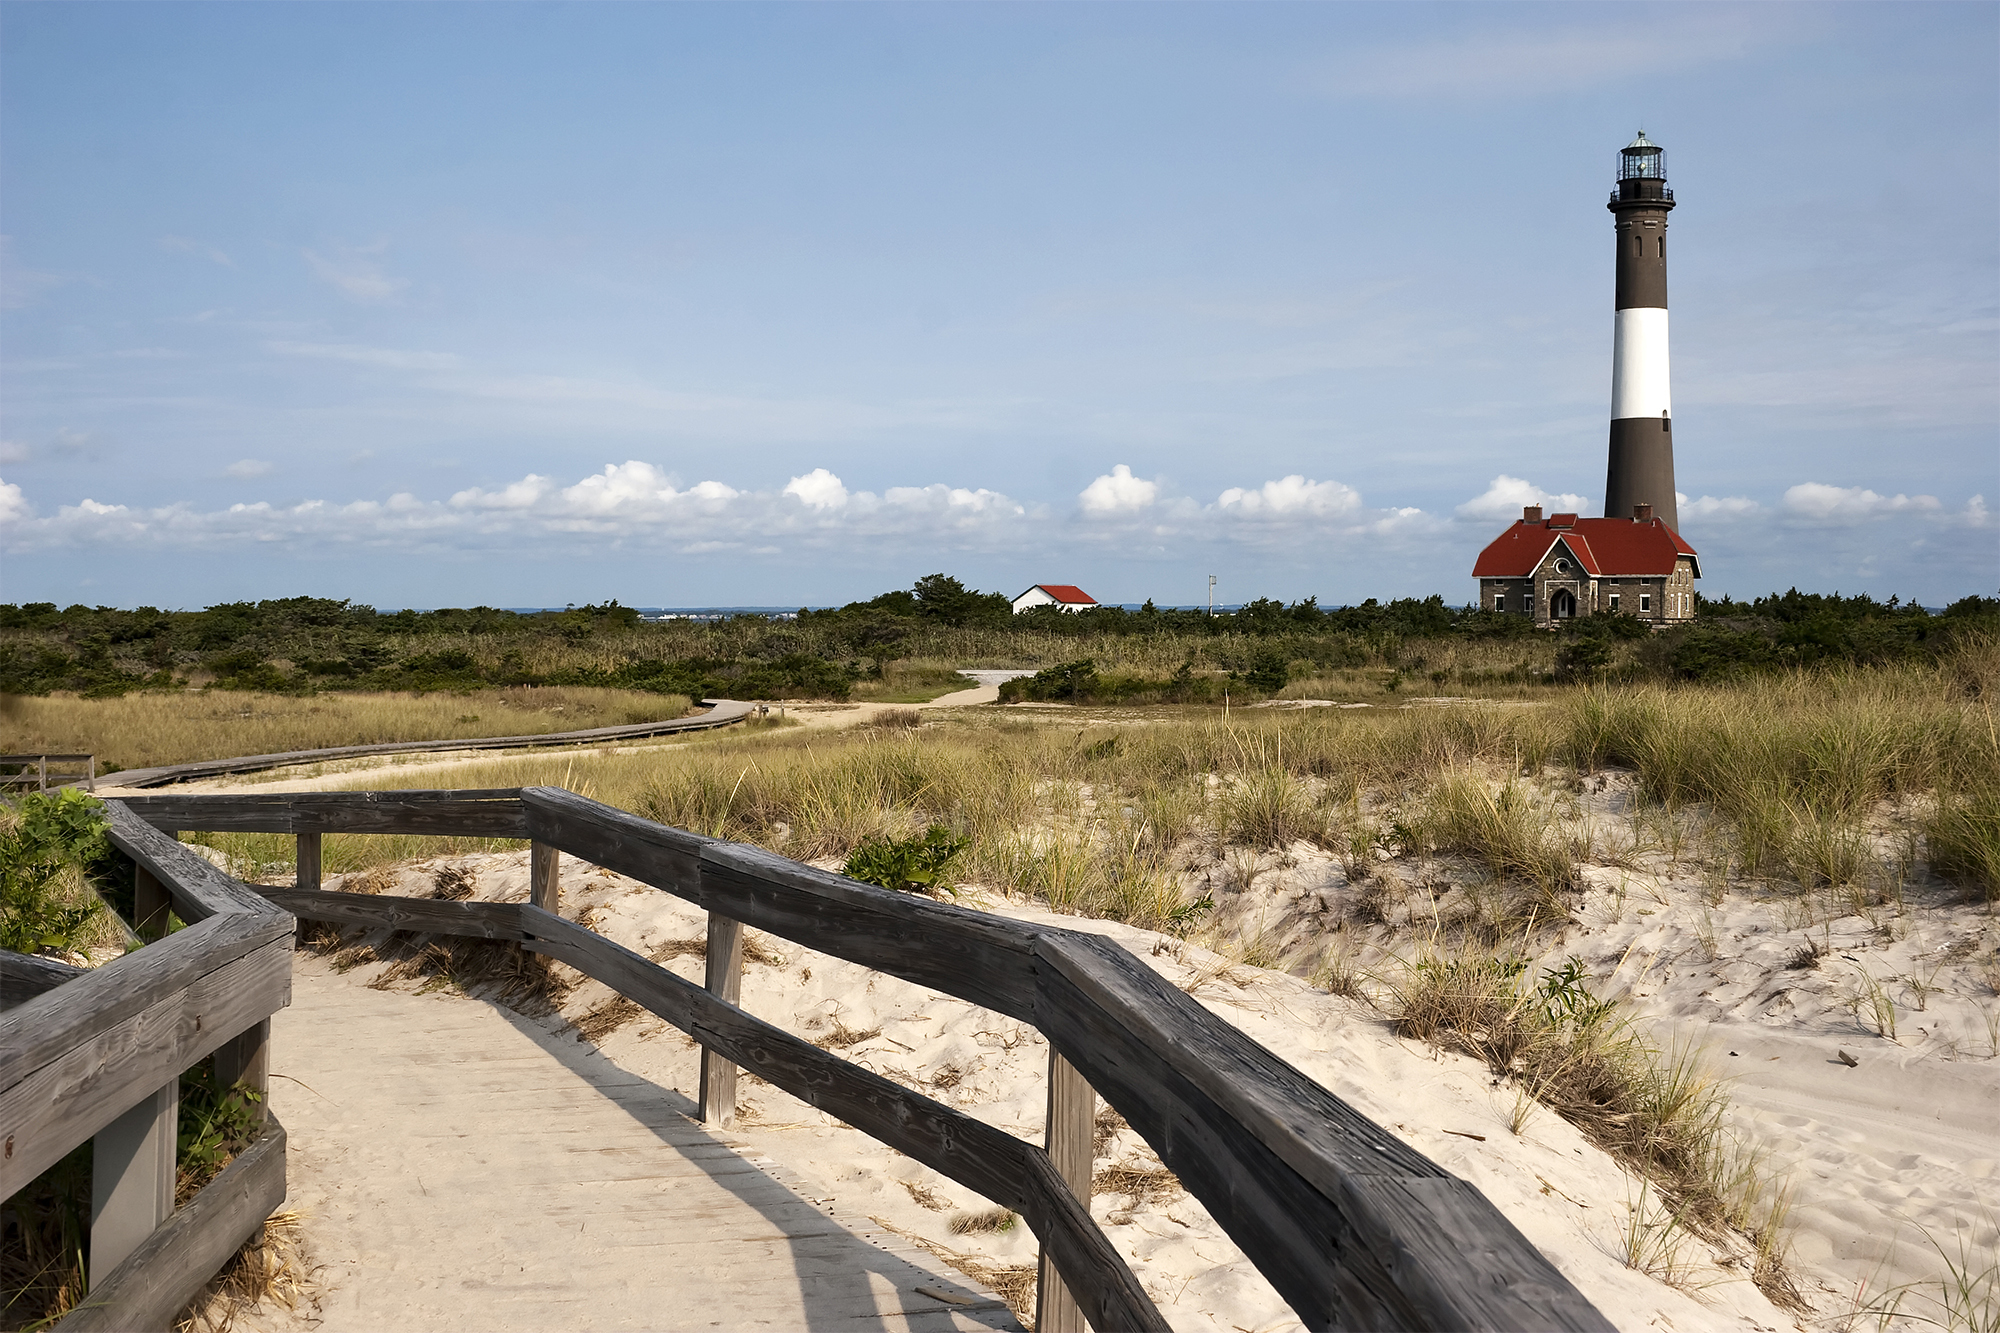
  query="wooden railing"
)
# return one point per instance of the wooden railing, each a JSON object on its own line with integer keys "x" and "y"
{"x": 97, "y": 1055}
{"x": 1351, "y": 1226}
{"x": 39, "y": 776}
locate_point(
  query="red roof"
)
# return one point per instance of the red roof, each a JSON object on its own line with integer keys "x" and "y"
{"x": 1607, "y": 548}
{"x": 1066, "y": 593}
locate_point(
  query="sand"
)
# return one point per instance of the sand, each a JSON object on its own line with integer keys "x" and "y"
{"x": 1904, "y": 1134}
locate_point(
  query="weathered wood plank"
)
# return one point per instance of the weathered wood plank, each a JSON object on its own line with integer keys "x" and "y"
{"x": 1070, "y": 1133}
{"x": 545, "y": 876}
{"x": 198, "y": 889}
{"x": 1094, "y": 1273}
{"x": 156, "y": 1281}
{"x": 132, "y": 1177}
{"x": 487, "y": 921}
{"x": 976, "y": 957}
{"x": 492, "y": 813}
{"x": 670, "y": 857}
{"x": 725, "y": 983}
{"x": 33, "y": 1034}
{"x": 24, "y": 976}
{"x": 92, "y": 1082}
{"x": 310, "y": 862}
{"x": 1338, "y": 1237}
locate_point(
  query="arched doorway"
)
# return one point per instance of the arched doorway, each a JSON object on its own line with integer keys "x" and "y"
{"x": 1562, "y": 604}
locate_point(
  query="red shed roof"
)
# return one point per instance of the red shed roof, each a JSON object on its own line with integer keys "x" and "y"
{"x": 1066, "y": 593}
{"x": 1606, "y": 548}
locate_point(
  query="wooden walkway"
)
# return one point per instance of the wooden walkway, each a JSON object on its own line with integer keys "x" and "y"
{"x": 721, "y": 713}
{"x": 462, "y": 1168}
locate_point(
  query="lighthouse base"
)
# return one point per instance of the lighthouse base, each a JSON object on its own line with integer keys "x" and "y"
{"x": 1642, "y": 469}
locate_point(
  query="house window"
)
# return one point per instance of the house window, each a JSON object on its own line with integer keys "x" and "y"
{"x": 1614, "y": 601}
{"x": 1645, "y": 601}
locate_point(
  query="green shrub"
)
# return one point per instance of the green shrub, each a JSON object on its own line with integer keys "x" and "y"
{"x": 909, "y": 865}
{"x": 45, "y": 844}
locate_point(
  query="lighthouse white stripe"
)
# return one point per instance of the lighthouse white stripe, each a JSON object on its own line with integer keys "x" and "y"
{"x": 1639, "y": 364}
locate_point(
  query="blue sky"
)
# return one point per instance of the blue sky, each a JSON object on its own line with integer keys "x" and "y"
{"x": 683, "y": 304}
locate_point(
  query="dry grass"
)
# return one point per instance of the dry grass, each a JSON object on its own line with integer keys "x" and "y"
{"x": 141, "y": 730}
{"x": 1012, "y": 1283}
{"x": 271, "y": 1270}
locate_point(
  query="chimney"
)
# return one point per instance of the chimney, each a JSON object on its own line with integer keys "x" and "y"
{"x": 1531, "y": 513}
{"x": 1642, "y": 513}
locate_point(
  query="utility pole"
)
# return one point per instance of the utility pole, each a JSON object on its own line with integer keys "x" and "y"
{"x": 1211, "y": 594}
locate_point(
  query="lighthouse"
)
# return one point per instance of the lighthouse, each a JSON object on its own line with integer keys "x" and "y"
{"x": 1641, "y": 470}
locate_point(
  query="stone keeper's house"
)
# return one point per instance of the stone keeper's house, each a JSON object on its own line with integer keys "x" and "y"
{"x": 1563, "y": 566}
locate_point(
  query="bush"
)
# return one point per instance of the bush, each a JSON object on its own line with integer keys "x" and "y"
{"x": 908, "y": 865}
{"x": 46, "y": 900}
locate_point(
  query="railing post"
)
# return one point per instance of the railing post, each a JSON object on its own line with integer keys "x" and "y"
{"x": 1072, "y": 1128}
{"x": 310, "y": 861}
{"x": 132, "y": 1179}
{"x": 544, "y": 884}
{"x": 725, "y": 983}
{"x": 150, "y": 904}
{"x": 42, "y": 770}
{"x": 246, "y": 1058}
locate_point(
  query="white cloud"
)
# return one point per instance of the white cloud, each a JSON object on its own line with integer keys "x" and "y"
{"x": 1718, "y": 506}
{"x": 1291, "y": 496}
{"x": 248, "y": 467}
{"x": 818, "y": 489}
{"x": 519, "y": 495}
{"x": 1506, "y": 496}
{"x": 356, "y": 276}
{"x": 14, "y": 506}
{"x": 13, "y": 451}
{"x": 1118, "y": 492}
{"x": 1822, "y": 503}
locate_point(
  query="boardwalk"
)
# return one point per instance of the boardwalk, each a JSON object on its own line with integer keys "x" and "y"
{"x": 462, "y": 1168}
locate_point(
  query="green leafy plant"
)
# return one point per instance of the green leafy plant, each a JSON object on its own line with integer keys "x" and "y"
{"x": 1566, "y": 1000}
{"x": 45, "y": 844}
{"x": 215, "y": 1124}
{"x": 909, "y": 865}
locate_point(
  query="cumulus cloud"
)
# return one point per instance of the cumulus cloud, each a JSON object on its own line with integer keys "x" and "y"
{"x": 248, "y": 467}
{"x": 14, "y": 506}
{"x": 1290, "y": 496}
{"x": 1851, "y": 504}
{"x": 818, "y": 489}
{"x": 637, "y": 504}
{"x": 1118, "y": 492}
{"x": 1506, "y": 496}
{"x": 355, "y": 275}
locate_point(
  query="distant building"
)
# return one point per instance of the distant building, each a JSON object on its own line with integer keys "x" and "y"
{"x": 1565, "y": 566}
{"x": 1065, "y": 595}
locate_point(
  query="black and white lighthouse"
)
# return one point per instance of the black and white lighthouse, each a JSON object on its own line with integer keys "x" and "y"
{"x": 1641, "y": 470}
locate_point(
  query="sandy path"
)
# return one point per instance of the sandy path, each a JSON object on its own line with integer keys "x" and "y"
{"x": 461, "y": 1167}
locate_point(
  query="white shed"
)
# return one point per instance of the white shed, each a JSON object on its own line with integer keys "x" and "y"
{"x": 1065, "y": 595}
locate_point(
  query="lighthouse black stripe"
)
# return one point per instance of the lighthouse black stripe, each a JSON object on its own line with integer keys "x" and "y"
{"x": 1640, "y": 468}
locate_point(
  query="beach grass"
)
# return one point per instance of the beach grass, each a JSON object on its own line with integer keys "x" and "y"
{"x": 169, "y": 727}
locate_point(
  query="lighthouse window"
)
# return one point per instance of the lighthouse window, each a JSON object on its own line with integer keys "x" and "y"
{"x": 1663, "y": 247}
